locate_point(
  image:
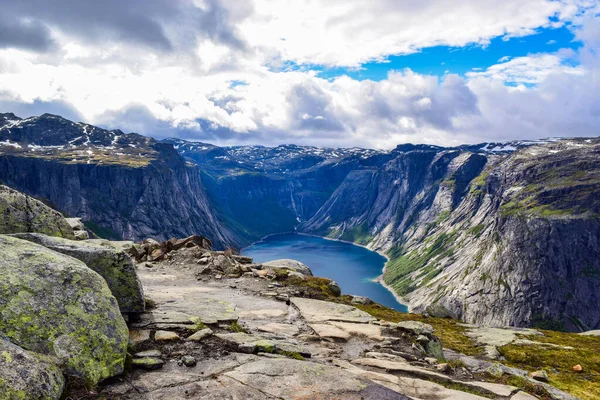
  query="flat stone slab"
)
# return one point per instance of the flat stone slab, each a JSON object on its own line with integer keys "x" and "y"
{"x": 499, "y": 336}
{"x": 207, "y": 310}
{"x": 327, "y": 331}
{"x": 293, "y": 379}
{"x": 591, "y": 333}
{"x": 260, "y": 343}
{"x": 369, "y": 331}
{"x": 414, "y": 387}
{"x": 275, "y": 327}
{"x": 262, "y": 313}
{"x": 402, "y": 367}
{"x": 316, "y": 311}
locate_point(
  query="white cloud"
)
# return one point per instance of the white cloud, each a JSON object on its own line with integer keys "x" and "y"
{"x": 186, "y": 82}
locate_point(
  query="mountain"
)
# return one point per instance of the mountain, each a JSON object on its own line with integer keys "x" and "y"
{"x": 122, "y": 185}
{"x": 493, "y": 233}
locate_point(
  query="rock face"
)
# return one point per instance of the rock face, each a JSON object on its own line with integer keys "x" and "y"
{"x": 491, "y": 239}
{"x": 27, "y": 375}
{"x": 53, "y": 304}
{"x": 114, "y": 265}
{"x": 22, "y": 213}
{"x": 123, "y": 185}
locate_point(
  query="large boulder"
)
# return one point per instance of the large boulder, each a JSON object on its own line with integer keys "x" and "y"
{"x": 290, "y": 265}
{"x": 110, "y": 261}
{"x": 22, "y": 213}
{"x": 27, "y": 375}
{"x": 54, "y": 304}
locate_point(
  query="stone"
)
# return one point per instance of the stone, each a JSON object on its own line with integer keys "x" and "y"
{"x": 368, "y": 331}
{"x": 422, "y": 339}
{"x": 191, "y": 241}
{"x": 327, "y": 331}
{"x": 275, "y": 327}
{"x": 334, "y": 288}
{"x": 148, "y": 363}
{"x": 577, "y": 368}
{"x": 27, "y": 375}
{"x": 75, "y": 223}
{"x": 402, "y": 367}
{"x": 443, "y": 368}
{"x": 260, "y": 343}
{"x": 55, "y": 305}
{"x": 294, "y": 379}
{"x": 415, "y": 327}
{"x": 188, "y": 361}
{"x": 148, "y": 353}
{"x": 138, "y": 336}
{"x": 495, "y": 370}
{"x": 113, "y": 264}
{"x": 361, "y": 300}
{"x": 166, "y": 336}
{"x": 523, "y": 396}
{"x": 541, "y": 375}
{"x": 201, "y": 334}
{"x": 202, "y": 309}
{"x": 242, "y": 259}
{"x": 81, "y": 235}
{"x": 495, "y": 388}
{"x": 21, "y": 213}
{"x": 591, "y": 333}
{"x": 290, "y": 265}
{"x": 321, "y": 311}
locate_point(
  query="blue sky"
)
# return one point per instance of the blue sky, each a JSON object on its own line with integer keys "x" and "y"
{"x": 321, "y": 72}
{"x": 440, "y": 60}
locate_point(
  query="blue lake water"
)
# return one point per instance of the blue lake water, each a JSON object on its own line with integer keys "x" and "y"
{"x": 352, "y": 267}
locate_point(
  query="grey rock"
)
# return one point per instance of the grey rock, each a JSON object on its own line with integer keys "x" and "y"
{"x": 114, "y": 265}
{"x": 27, "y": 375}
{"x": 148, "y": 353}
{"x": 334, "y": 288}
{"x": 200, "y": 335}
{"x": 22, "y": 213}
{"x": 188, "y": 361}
{"x": 54, "y": 304}
{"x": 325, "y": 381}
{"x": 540, "y": 375}
{"x": 290, "y": 265}
{"x": 321, "y": 311}
{"x": 148, "y": 363}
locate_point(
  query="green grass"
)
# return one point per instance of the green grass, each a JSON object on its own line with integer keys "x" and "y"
{"x": 402, "y": 264}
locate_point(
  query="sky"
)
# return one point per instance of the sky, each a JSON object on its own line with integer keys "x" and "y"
{"x": 339, "y": 73}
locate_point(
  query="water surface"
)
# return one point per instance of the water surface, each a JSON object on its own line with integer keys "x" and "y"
{"x": 352, "y": 267}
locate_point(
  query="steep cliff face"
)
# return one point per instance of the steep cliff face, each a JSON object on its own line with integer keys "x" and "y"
{"x": 122, "y": 185}
{"x": 490, "y": 239}
{"x": 522, "y": 248}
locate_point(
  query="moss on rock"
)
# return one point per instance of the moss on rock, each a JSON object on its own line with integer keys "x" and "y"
{"x": 22, "y": 213}
{"x": 107, "y": 259}
{"x": 26, "y": 375}
{"x": 53, "y": 304}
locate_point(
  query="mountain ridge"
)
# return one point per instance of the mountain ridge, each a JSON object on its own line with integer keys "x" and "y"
{"x": 444, "y": 216}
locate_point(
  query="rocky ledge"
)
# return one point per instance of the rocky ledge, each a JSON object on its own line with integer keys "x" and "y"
{"x": 177, "y": 320}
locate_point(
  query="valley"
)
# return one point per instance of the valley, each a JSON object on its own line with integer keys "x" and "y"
{"x": 493, "y": 234}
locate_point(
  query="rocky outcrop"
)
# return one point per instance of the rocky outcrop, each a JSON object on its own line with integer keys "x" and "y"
{"x": 55, "y": 305}
{"x": 27, "y": 375}
{"x": 22, "y": 213}
{"x": 289, "y": 265}
{"x": 113, "y": 264}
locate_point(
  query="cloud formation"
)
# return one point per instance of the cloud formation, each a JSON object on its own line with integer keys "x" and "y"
{"x": 227, "y": 72}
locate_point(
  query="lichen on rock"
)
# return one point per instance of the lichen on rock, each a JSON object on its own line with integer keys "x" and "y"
{"x": 107, "y": 259}
{"x": 55, "y": 305}
{"x": 25, "y": 375}
{"x": 22, "y": 213}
